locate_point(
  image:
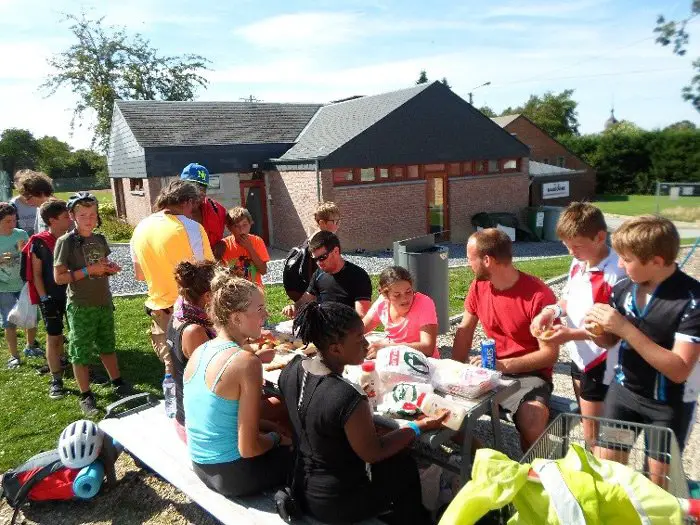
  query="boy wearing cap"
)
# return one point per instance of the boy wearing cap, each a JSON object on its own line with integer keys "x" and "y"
{"x": 208, "y": 212}
{"x": 80, "y": 261}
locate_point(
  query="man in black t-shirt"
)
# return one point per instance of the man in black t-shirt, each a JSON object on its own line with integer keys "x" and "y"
{"x": 656, "y": 315}
{"x": 336, "y": 279}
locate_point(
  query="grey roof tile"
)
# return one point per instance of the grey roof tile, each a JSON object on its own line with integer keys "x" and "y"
{"x": 159, "y": 123}
{"x": 336, "y": 124}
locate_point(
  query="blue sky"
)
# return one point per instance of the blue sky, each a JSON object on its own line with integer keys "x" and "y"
{"x": 319, "y": 51}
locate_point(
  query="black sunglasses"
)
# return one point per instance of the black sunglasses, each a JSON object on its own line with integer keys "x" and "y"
{"x": 321, "y": 258}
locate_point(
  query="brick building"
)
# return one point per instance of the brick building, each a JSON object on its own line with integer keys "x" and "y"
{"x": 560, "y": 177}
{"x": 398, "y": 164}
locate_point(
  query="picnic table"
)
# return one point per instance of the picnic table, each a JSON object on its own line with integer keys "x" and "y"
{"x": 431, "y": 445}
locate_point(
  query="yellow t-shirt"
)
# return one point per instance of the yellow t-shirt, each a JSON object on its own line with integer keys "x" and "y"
{"x": 160, "y": 242}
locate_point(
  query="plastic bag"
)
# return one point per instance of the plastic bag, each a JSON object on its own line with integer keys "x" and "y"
{"x": 403, "y": 399}
{"x": 463, "y": 380}
{"x": 24, "y": 313}
{"x": 401, "y": 364}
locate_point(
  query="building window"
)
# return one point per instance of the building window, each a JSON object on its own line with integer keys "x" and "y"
{"x": 561, "y": 161}
{"x": 342, "y": 175}
{"x": 479, "y": 167}
{"x": 383, "y": 173}
{"x": 453, "y": 169}
{"x": 510, "y": 165}
{"x": 493, "y": 166}
{"x": 468, "y": 168}
{"x": 397, "y": 172}
{"x": 367, "y": 175}
{"x": 136, "y": 186}
{"x": 413, "y": 172}
{"x": 434, "y": 167}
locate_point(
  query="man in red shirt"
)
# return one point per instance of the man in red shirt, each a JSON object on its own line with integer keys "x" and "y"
{"x": 209, "y": 213}
{"x": 506, "y": 301}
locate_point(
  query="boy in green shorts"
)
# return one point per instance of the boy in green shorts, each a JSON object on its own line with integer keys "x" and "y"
{"x": 80, "y": 261}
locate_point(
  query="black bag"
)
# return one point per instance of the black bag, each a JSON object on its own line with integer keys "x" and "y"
{"x": 285, "y": 499}
{"x": 17, "y": 483}
{"x": 295, "y": 275}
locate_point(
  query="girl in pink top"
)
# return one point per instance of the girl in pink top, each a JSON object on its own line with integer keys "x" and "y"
{"x": 409, "y": 317}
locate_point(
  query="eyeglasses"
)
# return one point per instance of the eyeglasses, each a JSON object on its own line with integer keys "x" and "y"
{"x": 321, "y": 258}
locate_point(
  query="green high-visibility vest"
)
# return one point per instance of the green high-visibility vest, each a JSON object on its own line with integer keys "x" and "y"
{"x": 576, "y": 490}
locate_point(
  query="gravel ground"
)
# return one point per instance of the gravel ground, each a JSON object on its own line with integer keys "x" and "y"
{"x": 124, "y": 283}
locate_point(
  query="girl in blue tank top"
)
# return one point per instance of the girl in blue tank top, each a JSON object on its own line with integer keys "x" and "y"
{"x": 231, "y": 451}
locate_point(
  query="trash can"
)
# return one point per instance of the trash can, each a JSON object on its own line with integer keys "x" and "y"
{"x": 535, "y": 221}
{"x": 551, "y": 216}
{"x": 428, "y": 264}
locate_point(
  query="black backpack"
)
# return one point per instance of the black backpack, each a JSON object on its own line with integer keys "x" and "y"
{"x": 17, "y": 483}
{"x": 295, "y": 275}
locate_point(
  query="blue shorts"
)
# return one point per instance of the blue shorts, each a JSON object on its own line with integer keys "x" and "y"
{"x": 8, "y": 300}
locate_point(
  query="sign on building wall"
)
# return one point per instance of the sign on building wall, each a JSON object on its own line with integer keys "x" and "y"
{"x": 554, "y": 190}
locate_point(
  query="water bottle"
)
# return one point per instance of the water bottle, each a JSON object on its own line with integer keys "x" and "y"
{"x": 169, "y": 394}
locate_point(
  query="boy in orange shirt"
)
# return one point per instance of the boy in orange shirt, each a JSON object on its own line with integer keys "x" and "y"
{"x": 244, "y": 251}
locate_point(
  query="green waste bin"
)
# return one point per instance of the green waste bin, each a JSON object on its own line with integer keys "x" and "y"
{"x": 428, "y": 264}
{"x": 535, "y": 221}
{"x": 551, "y": 216}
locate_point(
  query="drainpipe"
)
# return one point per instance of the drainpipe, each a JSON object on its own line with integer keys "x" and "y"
{"x": 318, "y": 183}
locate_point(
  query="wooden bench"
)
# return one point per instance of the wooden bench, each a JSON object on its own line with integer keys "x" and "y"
{"x": 149, "y": 436}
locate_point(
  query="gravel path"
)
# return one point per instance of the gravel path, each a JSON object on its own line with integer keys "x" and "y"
{"x": 124, "y": 283}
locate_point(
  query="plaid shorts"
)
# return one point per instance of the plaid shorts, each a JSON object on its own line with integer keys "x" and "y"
{"x": 91, "y": 332}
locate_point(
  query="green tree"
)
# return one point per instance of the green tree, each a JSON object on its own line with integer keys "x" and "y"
{"x": 87, "y": 163}
{"x": 105, "y": 64}
{"x": 486, "y": 110}
{"x": 555, "y": 114}
{"x": 682, "y": 125}
{"x": 445, "y": 82}
{"x": 18, "y": 149}
{"x": 673, "y": 32}
{"x": 54, "y": 156}
{"x": 422, "y": 78}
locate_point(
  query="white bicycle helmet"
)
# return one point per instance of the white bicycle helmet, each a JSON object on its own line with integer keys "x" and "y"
{"x": 80, "y": 444}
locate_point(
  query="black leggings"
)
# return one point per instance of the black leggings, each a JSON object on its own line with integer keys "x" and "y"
{"x": 393, "y": 495}
{"x": 247, "y": 476}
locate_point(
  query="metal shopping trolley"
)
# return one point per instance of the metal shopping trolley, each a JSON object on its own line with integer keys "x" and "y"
{"x": 647, "y": 449}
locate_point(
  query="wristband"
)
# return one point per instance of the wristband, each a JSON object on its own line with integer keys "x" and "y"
{"x": 276, "y": 438}
{"x": 556, "y": 309}
{"x": 85, "y": 271}
{"x": 414, "y": 426}
{"x": 44, "y": 298}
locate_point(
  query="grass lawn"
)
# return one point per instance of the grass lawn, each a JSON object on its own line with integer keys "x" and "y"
{"x": 642, "y": 204}
{"x": 103, "y": 196}
{"x": 31, "y": 422}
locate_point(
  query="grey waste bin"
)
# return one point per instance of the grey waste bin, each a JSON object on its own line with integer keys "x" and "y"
{"x": 551, "y": 216}
{"x": 428, "y": 264}
{"x": 535, "y": 221}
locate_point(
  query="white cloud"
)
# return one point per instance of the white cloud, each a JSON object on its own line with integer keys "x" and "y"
{"x": 541, "y": 9}
{"x": 301, "y": 30}
{"x": 24, "y": 60}
{"x": 22, "y": 107}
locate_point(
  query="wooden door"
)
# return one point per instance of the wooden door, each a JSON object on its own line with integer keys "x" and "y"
{"x": 254, "y": 199}
{"x": 437, "y": 205}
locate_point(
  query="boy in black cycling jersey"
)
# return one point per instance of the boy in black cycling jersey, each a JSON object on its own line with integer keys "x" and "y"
{"x": 656, "y": 315}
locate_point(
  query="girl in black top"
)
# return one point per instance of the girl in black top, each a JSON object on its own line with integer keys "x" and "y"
{"x": 189, "y": 325}
{"x": 337, "y": 438}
